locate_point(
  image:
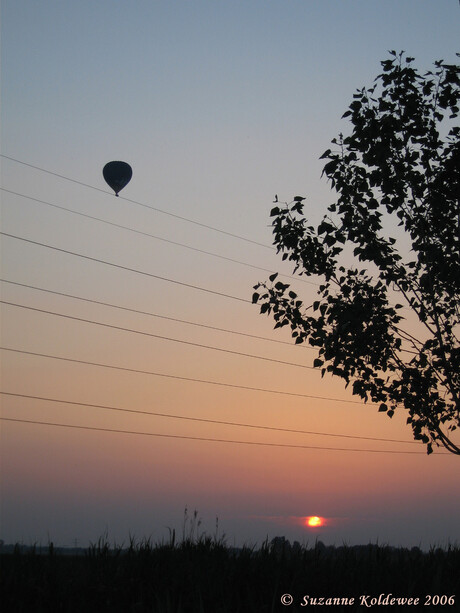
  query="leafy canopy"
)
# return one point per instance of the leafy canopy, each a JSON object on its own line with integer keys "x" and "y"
{"x": 388, "y": 322}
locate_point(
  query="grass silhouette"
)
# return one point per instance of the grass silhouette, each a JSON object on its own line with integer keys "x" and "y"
{"x": 200, "y": 573}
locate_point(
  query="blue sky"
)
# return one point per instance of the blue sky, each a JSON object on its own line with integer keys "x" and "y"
{"x": 195, "y": 93}
{"x": 217, "y": 105}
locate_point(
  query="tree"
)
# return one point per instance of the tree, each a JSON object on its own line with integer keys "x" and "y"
{"x": 389, "y": 329}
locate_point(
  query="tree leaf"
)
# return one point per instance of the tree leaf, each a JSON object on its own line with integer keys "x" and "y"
{"x": 397, "y": 167}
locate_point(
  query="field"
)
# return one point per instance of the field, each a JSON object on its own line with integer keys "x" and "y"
{"x": 204, "y": 575}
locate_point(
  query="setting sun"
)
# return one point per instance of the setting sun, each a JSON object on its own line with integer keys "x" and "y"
{"x": 314, "y": 521}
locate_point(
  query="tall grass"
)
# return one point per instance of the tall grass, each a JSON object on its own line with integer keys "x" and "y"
{"x": 200, "y": 573}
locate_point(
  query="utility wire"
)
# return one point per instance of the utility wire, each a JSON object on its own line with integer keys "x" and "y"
{"x": 148, "y": 234}
{"x": 202, "y": 420}
{"x": 147, "y": 206}
{"x": 213, "y": 440}
{"x": 150, "y": 314}
{"x": 121, "y": 267}
{"x": 151, "y": 335}
{"x": 135, "y": 270}
{"x": 177, "y": 377}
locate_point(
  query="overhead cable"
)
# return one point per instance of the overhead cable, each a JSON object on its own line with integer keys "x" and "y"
{"x": 212, "y": 440}
{"x": 121, "y": 267}
{"x": 177, "y": 377}
{"x": 142, "y": 204}
{"x": 151, "y": 335}
{"x": 202, "y": 420}
{"x": 154, "y": 236}
{"x": 150, "y": 314}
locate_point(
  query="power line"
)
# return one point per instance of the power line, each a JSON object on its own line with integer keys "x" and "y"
{"x": 176, "y": 377}
{"x": 147, "y": 206}
{"x": 151, "y": 335}
{"x": 150, "y": 314}
{"x": 149, "y": 235}
{"x": 202, "y": 420}
{"x": 134, "y": 270}
{"x": 206, "y": 439}
{"x": 121, "y": 267}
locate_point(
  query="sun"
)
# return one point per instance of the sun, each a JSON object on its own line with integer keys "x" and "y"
{"x": 314, "y": 521}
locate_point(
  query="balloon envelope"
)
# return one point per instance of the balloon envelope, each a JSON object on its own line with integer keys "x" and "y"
{"x": 117, "y": 175}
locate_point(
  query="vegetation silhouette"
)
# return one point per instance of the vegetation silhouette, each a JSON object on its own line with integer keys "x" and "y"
{"x": 201, "y": 573}
{"x": 397, "y": 176}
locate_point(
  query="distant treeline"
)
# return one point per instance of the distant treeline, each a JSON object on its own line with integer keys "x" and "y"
{"x": 204, "y": 575}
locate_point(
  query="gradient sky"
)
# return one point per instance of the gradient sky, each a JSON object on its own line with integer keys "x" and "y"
{"x": 217, "y": 105}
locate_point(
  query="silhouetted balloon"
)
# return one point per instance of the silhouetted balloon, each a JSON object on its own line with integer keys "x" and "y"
{"x": 117, "y": 175}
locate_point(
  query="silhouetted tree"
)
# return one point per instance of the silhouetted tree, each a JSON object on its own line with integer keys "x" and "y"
{"x": 397, "y": 211}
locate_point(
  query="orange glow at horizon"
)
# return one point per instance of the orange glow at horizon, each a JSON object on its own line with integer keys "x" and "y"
{"x": 314, "y": 521}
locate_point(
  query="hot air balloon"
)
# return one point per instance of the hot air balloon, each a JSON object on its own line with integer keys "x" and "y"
{"x": 117, "y": 175}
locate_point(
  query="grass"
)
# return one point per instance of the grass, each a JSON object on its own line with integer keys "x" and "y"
{"x": 198, "y": 573}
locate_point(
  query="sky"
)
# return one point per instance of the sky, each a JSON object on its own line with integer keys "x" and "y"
{"x": 217, "y": 106}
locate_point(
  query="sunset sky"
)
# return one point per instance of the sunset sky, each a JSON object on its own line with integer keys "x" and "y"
{"x": 217, "y": 105}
